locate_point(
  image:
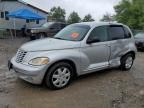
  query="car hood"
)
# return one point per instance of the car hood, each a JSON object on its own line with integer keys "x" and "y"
{"x": 49, "y": 44}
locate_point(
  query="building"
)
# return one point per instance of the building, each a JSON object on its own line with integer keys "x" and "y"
{"x": 7, "y": 6}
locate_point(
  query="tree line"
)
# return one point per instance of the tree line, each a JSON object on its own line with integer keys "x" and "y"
{"x": 59, "y": 14}
{"x": 129, "y": 12}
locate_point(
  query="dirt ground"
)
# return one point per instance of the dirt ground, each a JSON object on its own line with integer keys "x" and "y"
{"x": 110, "y": 88}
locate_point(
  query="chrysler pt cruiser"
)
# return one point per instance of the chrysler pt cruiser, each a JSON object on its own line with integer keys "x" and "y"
{"x": 78, "y": 49}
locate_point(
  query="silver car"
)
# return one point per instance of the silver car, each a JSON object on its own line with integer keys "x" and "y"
{"x": 76, "y": 50}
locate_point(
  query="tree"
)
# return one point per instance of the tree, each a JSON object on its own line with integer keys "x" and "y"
{"x": 88, "y": 18}
{"x": 108, "y": 18}
{"x": 73, "y": 18}
{"x": 57, "y": 14}
{"x": 131, "y": 13}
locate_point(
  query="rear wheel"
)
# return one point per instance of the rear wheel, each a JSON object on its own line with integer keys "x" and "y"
{"x": 59, "y": 76}
{"x": 127, "y": 62}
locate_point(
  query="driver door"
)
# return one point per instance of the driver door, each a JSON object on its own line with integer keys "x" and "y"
{"x": 97, "y": 52}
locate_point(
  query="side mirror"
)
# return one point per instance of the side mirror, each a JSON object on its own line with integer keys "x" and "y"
{"x": 89, "y": 41}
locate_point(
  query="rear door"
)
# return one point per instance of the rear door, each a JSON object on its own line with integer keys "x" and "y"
{"x": 118, "y": 42}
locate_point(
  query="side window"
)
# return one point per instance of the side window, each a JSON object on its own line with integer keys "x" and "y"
{"x": 99, "y": 33}
{"x": 116, "y": 32}
{"x": 55, "y": 26}
{"x": 127, "y": 33}
{"x": 63, "y": 25}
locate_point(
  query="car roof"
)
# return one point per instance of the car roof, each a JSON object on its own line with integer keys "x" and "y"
{"x": 94, "y": 24}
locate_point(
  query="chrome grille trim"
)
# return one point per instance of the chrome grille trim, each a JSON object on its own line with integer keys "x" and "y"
{"x": 20, "y": 56}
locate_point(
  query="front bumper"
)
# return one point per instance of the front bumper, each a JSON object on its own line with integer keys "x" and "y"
{"x": 29, "y": 73}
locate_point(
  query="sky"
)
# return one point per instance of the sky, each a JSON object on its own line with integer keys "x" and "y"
{"x": 97, "y": 8}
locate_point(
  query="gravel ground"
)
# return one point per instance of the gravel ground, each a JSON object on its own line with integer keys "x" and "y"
{"x": 110, "y": 88}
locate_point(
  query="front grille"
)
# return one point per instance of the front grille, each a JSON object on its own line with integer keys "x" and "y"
{"x": 20, "y": 56}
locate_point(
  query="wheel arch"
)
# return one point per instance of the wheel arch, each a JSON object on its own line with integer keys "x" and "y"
{"x": 130, "y": 52}
{"x": 66, "y": 61}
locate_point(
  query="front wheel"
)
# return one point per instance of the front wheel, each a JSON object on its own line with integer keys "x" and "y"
{"x": 59, "y": 76}
{"x": 127, "y": 62}
{"x": 41, "y": 35}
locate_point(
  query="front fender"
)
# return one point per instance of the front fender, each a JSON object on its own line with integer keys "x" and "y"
{"x": 59, "y": 55}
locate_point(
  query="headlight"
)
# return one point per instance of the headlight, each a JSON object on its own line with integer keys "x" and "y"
{"x": 39, "y": 61}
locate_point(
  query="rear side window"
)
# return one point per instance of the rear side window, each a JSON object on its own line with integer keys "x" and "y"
{"x": 127, "y": 33}
{"x": 63, "y": 25}
{"x": 116, "y": 32}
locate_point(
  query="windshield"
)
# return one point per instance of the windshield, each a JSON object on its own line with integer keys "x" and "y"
{"x": 46, "y": 25}
{"x": 73, "y": 32}
{"x": 140, "y": 35}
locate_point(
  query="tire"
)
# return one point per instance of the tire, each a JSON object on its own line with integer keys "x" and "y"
{"x": 127, "y": 62}
{"x": 32, "y": 37}
{"x": 41, "y": 35}
{"x": 59, "y": 76}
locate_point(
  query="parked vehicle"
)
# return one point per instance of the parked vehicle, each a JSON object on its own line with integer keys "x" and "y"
{"x": 48, "y": 29}
{"x": 139, "y": 39}
{"x": 76, "y": 50}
